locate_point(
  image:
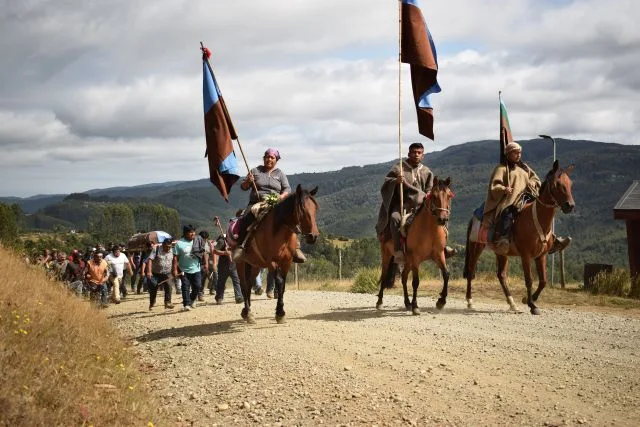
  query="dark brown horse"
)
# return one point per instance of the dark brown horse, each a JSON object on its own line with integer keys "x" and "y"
{"x": 274, "y": 243}
{"x": 531, "y": 237}
{"x": 426, "y": 240}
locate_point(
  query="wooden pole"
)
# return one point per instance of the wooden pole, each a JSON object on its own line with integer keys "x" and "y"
{"x": 340, "y": 264}
{"x": 562, "y": 280}
{"x": 204, "y": 57}
{"x": 400, "y": 102}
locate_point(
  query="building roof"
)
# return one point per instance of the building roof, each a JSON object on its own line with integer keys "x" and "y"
{"x": 628, "y": 207}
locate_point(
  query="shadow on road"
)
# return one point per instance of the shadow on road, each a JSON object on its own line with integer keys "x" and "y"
{"x": 355, "y": 314}
{"x": 228, "y": 327}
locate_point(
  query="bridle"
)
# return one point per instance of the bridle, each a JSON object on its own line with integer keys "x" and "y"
{"x": 547, "y": 186}
{"x": 435, "y": 209}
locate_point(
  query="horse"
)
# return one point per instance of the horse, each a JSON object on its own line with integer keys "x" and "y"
{"x": 426, "y": 240}
{"x": 531, "y": 238}
{"x": 273, "y": 244}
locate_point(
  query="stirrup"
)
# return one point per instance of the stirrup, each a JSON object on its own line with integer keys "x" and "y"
{"x": 298, "y": 257}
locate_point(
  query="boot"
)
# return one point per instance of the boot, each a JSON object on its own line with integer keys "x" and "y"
{"x": 298, "y": 256}
{"x": 559, "y": 243}
{"x": 501, "y": 246}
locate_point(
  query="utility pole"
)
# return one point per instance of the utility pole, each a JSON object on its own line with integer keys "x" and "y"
{"x": 340, "y": 264}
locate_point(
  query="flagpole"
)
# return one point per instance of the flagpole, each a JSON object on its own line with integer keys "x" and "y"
{"x": 206, "y": 58}
{"x": 400, "y": 104}
{"x": 503, "y": 135}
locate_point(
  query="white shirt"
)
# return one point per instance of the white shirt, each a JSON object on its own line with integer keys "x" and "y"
{"x": 117, "y": 263}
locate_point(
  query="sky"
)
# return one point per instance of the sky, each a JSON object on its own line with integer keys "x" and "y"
{"x": 97, "y": 94}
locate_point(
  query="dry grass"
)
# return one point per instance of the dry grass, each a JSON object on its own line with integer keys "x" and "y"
{"x": 62, "y": 362}
{"x": 486, "y": 287}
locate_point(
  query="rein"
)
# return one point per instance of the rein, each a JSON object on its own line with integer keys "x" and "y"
{"x": 543, "y": 238}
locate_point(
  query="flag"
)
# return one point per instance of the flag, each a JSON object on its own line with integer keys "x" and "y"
{"x": 219, "y": 131}
{"x": 419, "y": 51}
{"x": 505, "y": 132}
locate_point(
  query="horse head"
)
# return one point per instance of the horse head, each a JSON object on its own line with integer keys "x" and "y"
{"x": 558, "y": 185}
{"x": 439, "y": 200}
{"x": 306, "y": 208}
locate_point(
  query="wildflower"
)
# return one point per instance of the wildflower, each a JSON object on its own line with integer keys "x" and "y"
{"x": 150, "y": 424}
{"x": 130, "y": 387}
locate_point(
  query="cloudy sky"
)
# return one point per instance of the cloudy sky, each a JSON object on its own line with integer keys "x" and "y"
{"x": 96, "y": 94}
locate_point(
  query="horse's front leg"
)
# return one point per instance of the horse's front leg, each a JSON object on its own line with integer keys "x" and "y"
{"x": 441, "y": 262}
{"x": 473, "y": 252}
{"x": 528, "y": 282}
{"x": 387, "y": 277}
{"x": 415, "y": 282}
{"x": 245, "y": 275}
{"x": 281, "y": 277}
{"x": 503, "y": 268}
{"x": 405, "y": 278}
{"x": 541, "y": 267}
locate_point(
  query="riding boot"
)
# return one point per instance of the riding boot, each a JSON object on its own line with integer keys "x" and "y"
{"x": 243, "y": 228}
{"x": 449, "y": 251}
{"x": 298, "y": 256}
{"x": 503, "y": 233}
{"x": 559, "y": 243}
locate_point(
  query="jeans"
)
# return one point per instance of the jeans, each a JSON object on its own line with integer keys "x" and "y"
{"x": 190, "y": 287}
{"x": 271, "y": 281}
{"x": 153, "y": 288}
{"x": 227, "y": 268}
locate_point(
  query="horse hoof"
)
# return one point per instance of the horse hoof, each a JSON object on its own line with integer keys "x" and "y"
{"x": 407, "y": 307}
{"x": 415, "y": 311}
{"x": 281, "y": 319}
{"x": 379, "y": 306}
{"x": 514, "y": 309}
{"x": 244, "y": 313}
{"x": 536, "y": 311}
{"x": 441, "y": 303}
{"x": 250, "y": 319}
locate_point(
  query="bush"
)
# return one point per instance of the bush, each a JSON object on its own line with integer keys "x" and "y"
{"x": 367, "y": 281}
{"x": 635, "y": 287}
{"x": 616, "y": 283}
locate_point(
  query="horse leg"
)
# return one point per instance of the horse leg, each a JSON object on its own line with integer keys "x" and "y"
{"x": 281, "y": 277}
{"x": 244, "y": 274}
{"x": 405, "y": 278}
{"x": 528, "y": 282}
{"x": 442, "y": 301}
{"x": 415, "y": 282}
{"x": 541, "y": 267}
{"x": 503, "y": 267}
{"x": 473, "y": 252}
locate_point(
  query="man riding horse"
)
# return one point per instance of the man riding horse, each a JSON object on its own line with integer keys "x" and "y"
{"x": 511, "y": 186}
{"x": 416, "y": 180}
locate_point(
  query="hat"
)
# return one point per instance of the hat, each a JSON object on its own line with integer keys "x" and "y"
{"x": 512, "y": 146}
{"x": 272, "y": 152}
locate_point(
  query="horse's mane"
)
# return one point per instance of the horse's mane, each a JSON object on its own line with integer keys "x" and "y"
{"x": 287, "y": 208}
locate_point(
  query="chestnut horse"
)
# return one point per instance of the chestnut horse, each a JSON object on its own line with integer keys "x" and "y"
{"x": 273, "y": 244}
{"x": 426, "y": 240}
{"x": 531, "y": 237}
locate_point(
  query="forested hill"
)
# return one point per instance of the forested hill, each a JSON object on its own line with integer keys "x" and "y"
{"x": 349, "y": 198}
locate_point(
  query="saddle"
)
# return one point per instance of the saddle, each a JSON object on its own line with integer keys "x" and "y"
{"x": 259, "y": 211}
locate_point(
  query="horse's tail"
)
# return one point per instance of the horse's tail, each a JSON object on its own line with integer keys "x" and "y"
{"x": 390, "y": 276}
{"x": 467, "y": 253}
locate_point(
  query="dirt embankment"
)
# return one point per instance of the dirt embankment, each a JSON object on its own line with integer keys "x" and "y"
{"x": 338, "y": 361}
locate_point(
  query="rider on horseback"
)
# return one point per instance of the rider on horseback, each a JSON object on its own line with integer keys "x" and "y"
{"x": 269, "y": 180}
{"x": 510, "y": 188}
{"x": 417, "y": 181}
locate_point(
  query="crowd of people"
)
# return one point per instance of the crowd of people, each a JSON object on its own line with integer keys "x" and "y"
{"x": 191, "y": 266}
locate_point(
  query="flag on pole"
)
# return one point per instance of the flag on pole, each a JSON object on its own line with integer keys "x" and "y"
{"x": 419, "y": 51}
{"x": 505, "y": 132}
{"x": 219, "y": 131}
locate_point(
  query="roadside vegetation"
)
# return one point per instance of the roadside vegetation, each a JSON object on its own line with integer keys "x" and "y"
{"x": 61, "y": 361}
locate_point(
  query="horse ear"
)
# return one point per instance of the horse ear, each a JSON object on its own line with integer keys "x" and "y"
{"x": 299, "y": 189}
{"x": 314, "y": 191}
{"x": 447, "y": 181}
{"x": 556, "y": 165}
{"x": 435, "y": 181}
{"x": 569, "y": 169}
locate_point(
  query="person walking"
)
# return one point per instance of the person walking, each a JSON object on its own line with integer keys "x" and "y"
{"x": 159, "y": 273}
{"x": 117, "y": 262}
{"x": 97, "y": 273}
{"x": 226, "y": 269}
{"x": 189, "y": 265}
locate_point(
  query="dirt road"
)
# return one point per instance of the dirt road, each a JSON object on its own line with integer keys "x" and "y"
{"x": 339, "y": 361}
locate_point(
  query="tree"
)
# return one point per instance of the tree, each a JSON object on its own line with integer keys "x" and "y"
{"x": 112, "y": 222}
{"x": 9, "y": 216}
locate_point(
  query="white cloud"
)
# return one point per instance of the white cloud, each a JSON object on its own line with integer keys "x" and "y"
{"x": 98, "y": 94}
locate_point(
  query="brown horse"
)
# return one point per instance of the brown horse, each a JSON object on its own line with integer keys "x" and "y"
{"x": 531, "y": 237}
{"x": 426, "y": 240}
{"x": 274, "y": 243}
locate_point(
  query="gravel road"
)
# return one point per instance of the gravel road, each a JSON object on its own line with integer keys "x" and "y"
{"x": 339, "y": 361}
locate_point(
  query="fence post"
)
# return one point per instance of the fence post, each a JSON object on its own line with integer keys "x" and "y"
{"x": 340, "y": 265}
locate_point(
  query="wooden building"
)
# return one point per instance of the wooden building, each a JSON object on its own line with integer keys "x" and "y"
{"x": 628, "y": 208}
